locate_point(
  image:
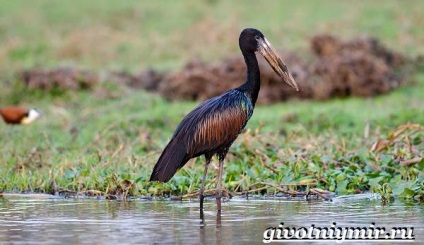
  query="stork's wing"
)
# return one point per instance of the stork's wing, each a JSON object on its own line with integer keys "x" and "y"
{"x": 215, "y": 123}
{"x": 212, "y": 125}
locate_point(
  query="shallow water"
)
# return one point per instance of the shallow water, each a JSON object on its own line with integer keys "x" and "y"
{"x": 41, "y": 220}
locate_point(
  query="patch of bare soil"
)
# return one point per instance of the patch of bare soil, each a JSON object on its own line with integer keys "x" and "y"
{"x": 148, "y": 80}
{"x": 199, "y": 80}
{"x": 357, "y": 67}
{"x": 60, "y": 78}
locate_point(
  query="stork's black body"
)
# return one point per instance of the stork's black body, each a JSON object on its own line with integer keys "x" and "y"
{"x": 211, "y": 128}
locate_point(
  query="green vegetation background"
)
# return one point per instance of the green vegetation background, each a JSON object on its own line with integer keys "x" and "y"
{"x": 110, "y": 143}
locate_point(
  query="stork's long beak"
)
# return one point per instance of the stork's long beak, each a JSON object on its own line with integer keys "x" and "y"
{"x": 276, "y": 62}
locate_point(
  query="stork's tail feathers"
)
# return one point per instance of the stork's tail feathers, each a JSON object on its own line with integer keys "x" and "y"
{"x": 173, "y": 158}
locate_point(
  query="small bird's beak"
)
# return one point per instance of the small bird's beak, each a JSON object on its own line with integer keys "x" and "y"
{"x": 276, "y": 62}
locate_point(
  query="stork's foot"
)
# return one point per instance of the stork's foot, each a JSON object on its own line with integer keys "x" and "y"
{"x": 226, "y": 194}
{"x": 223, "y": 194}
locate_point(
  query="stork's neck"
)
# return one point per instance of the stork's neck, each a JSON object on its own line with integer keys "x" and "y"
{"x": 253, "y": 82}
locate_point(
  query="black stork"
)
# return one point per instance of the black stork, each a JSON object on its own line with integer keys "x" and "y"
{"x": 211, "y": 128}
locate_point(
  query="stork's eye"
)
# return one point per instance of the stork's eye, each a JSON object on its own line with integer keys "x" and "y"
{"x": 257, "y": 38}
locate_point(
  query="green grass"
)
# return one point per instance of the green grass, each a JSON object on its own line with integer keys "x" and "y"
{"x": 86, "y": 141}
{"x": 130, "y": 36}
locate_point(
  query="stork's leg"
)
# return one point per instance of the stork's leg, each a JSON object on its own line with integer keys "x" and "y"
{"x": 202, "y": 190}
{"x": 219, "y": 185}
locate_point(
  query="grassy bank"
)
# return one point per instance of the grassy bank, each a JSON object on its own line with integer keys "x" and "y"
{"x": 110, "y": 141}
{"x": 84, "y": 142}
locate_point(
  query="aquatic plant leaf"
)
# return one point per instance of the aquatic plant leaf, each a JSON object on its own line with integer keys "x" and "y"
{"x": 342, "y": 187}
{"x": 375, "y": 183}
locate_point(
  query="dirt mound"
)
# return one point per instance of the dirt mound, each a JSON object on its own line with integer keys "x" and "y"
{"x": 148, "y": 80}
{"x": 329, "y": 46}
{"x": 356, "y": 74}
{"x": 200, "y": 81}
{"x": 357, "y": 67}
{"x": 60, "y": 78}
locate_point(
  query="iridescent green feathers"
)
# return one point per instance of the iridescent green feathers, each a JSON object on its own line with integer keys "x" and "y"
{"x": 210, "y": 128}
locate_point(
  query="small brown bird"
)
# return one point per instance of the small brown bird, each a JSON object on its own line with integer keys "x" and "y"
{"x": 19, "y": 115}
